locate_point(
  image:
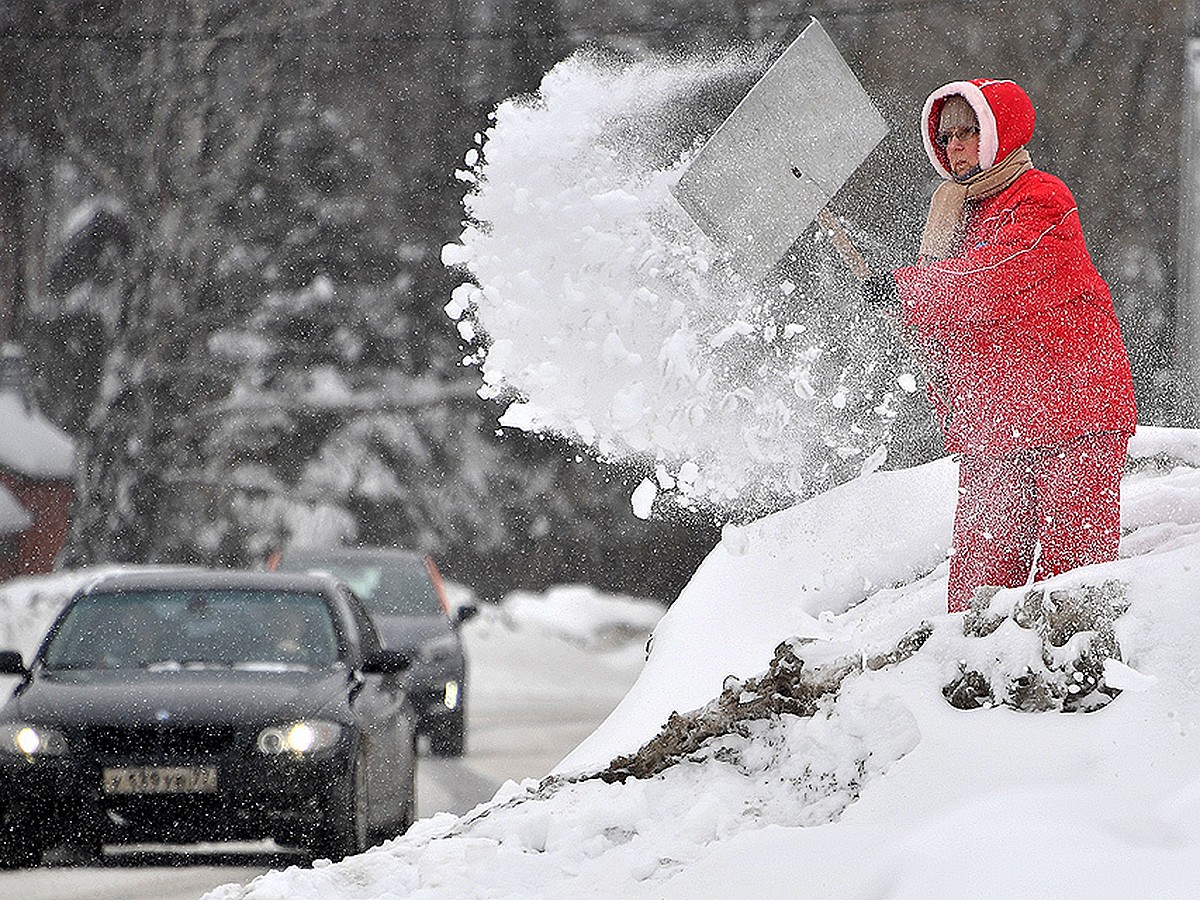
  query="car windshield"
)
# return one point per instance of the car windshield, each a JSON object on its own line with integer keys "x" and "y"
{"x": 387, "y": 588}
{"x": 169, "y": 628}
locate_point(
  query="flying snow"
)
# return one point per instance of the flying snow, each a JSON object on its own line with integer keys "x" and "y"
{"x": 603, "y": 313}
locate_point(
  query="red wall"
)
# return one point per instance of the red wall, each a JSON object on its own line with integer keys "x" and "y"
{"x": 38, "y": 546}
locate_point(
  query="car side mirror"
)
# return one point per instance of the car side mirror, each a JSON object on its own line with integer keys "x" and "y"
{"x": 11, "y": 663}
{"x": 466, "y": 612}
{"x": 386, "y": 662}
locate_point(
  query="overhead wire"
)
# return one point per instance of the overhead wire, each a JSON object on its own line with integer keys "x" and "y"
{"x": 559, "y": 30}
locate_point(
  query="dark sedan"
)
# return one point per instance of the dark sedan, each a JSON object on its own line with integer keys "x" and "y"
{"x": 189, "y": 705}
{"x": 403, "y": 591}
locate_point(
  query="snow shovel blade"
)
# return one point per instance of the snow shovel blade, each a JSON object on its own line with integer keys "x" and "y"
{"x": 784, "y": 151}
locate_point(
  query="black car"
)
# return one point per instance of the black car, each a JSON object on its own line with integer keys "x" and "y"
{"x": 404, "y": 594}
{"x": 189, "y": 705}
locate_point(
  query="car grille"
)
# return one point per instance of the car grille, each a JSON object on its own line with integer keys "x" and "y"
{"x": 202, "y": 740}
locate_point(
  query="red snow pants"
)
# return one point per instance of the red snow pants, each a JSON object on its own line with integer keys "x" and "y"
{"x": 1064, "y": 500}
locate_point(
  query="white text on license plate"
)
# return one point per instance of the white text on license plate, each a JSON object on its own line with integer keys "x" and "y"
{"x": 161, "y": 780}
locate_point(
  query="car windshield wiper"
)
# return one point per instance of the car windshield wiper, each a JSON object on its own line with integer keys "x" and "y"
{"x": 193, "y": 662}
{"x": 272, "y": 665}
{"x": 77, "y": 664}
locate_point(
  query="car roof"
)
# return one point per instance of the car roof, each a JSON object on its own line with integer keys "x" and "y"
{"x": 187, "y": 578}
{"x": 353, "y": 554}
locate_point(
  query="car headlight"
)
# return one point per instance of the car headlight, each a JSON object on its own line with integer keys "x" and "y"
{"x": 441, "y": 647}
{"x": 299, "y": 738}
{"x": 24, "y": 739}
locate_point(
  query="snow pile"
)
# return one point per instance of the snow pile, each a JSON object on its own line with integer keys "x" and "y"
{"x": 577, "y": 613}
{"x": 597, "y": 300}
{"x": 885, "y": 789}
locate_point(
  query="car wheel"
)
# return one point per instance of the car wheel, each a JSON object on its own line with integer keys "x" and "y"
{"x": 83, "y": 836}
{"x": 20, "y": 846}
{"x": 449, "y": 738}
{"x": 294, "y": 836}
{"x": 86, "y": 847}
{"x": 407, "y": 813}
{"x": 345, "y": 831}
{"x": 410, "y": 796}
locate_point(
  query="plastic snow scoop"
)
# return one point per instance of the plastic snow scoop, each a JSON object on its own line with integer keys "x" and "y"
{"x": 786, "y": 149}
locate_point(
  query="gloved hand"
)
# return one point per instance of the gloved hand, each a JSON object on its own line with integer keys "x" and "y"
{"x": 879, "y": 290}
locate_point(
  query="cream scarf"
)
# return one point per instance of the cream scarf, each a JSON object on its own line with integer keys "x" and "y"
{"x": 946, "y": 207}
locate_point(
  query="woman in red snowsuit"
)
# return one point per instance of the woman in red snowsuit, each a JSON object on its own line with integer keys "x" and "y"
{"x": 1026, "y": 367}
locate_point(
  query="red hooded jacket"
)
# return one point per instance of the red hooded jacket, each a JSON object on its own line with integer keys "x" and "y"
{"x": 1023, "y": 345}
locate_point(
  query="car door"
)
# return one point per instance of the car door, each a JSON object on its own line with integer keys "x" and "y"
{"x": 386, "y": 718}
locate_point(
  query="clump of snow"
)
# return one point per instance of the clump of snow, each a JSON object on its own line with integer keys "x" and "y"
{"x": 642, "y": 499}
{"x": 886, "y": 789}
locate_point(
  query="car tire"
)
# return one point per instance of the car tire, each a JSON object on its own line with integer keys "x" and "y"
{"x": 86, "y": 848}
{"x": 410, "y": 796}
{"x": 408, "y": 808}
{"x": 345, "y": 831}
{"x": 20, "y": 846}
{"x": 449, "y": 738}
{"x": 83, "y": 836}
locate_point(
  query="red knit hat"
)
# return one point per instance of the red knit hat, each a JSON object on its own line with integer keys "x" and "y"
{"x": 1005, "y": 116}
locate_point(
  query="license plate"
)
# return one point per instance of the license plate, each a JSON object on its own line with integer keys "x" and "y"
{"x": 161, "y": 780}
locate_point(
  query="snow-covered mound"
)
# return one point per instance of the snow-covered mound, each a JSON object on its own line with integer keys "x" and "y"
{"x": 886, "y": 790}
{"x": 582, "y": 615}
{"x": 791, "y": 573}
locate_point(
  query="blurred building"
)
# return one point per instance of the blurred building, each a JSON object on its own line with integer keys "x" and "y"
{"x": 37, "y": 474}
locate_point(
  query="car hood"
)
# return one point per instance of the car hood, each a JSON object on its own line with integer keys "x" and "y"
{"x": 201, "y": 697}
{"x": 406, "y": 633}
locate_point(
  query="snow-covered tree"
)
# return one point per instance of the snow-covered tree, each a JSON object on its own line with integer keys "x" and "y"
{"x": 261, "y": 320}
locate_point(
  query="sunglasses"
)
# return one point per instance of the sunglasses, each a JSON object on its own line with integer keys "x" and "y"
{"x": 964, "y": 134}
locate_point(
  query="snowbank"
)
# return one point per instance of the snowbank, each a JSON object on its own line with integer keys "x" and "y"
{"x": 582, "y": 615}
{"x": 888, "y": 790}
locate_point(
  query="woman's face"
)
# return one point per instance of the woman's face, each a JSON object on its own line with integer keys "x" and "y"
{"x": 964, "y": 153}
{"x": 962, "y": 150}
{"x": 958, "y": 135}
